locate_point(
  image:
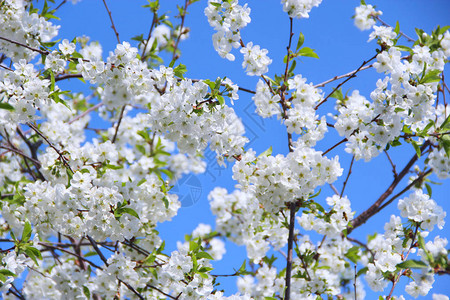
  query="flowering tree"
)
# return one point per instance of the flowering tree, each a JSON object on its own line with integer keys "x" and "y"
{"x": 80, "y": 205}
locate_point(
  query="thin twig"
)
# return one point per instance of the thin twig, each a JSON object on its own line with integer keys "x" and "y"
{"x": 112, "y": 22}
{"x": 348, "y": 176}
{"x": 374, "y": 208}
{"x": 413, "y": 183}
{"x": 71, "y": 253}
{"x": 182, "y": 16}
{"x": 353, "y": 74}
{"x": 385, "y": 24}
{"x": 61, "y": 4}
{"x": 154, "y": 20}
{"x": 118, "y": 124}
{"x": 25, "y": 46}
{"x": 132, "y": 289}
{"x": 100, "y": 254}
{"x": 67, "y": 76}
{"x": 399, "y": 275}
{"x": 392, "y": 164}
{"x": 332, "y": 147}
{"x": 158, "y": 290}
{"x": 89, "y": 110}
{"x": 34, "y": 161}
{"x": 64, "y": 160}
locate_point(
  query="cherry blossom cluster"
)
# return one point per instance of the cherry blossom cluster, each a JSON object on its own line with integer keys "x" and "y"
{"x": 278, "y": 180}
{"x": 25, "y": 91}
{"x": 331, "y": 223}
{"x": 299, "y": 8}
{"x": 227, "y": 18}
{"x": 19, "y": 25}
{"x": 364, "y": 16}
{"x": 66, "y": 193}
{"x": 301, "y": 117}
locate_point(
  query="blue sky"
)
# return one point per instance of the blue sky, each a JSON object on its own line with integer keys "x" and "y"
{"x": 341, "y": 48}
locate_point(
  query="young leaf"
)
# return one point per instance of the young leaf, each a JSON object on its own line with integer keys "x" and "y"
{"x": 26, "y": 233}
{"x": 180, "y": 70}
{"x": 412, "y": 264}
{"x": 306, "y": 51}
{"x": 301, "y": 39}
{"x": 6, "y": 106}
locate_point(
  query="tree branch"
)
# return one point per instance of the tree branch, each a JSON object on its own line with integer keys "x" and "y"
{"x": 112, "y": 22}
{"x": 364, "y": 216}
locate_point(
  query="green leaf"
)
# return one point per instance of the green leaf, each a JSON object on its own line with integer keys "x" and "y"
{"x": 337, "y": 94}
{"x": 306, "y": 51}
{"x": 362, "y": 271}
{"x": 445, "y": 123}
{"x": 268, "y": 152}
{"x": 412, "y": 264}
{"x": 205, "y": 269}
{"x": 193, "y": 245}
{"x": 220, "y": 99}
{"x": 180, "y": 70}
{"x": 6, "y": 106}
{"x": 352, "y": 254}
{"x": 26, "y": 233}
{"x": 432, "y": 76}
{"x": 122, "y": 210}
{"x": 404, "y": 48}
{"x": 301, "y": 40}
{"x": 429, "y": 190}
{"x": 397, "y": 28}
{"x": 86, "y": 292}
{"x": 138, "y": 38}
{"x": 33, "y": 253}
{"x": 204, "y": 254}
{"x": 445, "y": 143}
{"x": 166, "y": 202}
{"x": 417, "y": 148}
{"x": 7, "y": 272}
{"x": 292, "y": 68}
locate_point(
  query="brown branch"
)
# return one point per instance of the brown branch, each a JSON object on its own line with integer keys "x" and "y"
{"x": 385, "y": 24}
{"x": 288, "y": 48}
{"x": 160, "y": 291}
{"x": 413, "y": 183}
{"x": 17, "y": 151}
{"x": 348, "y": 176}
{"x": 332, "y": 147}
{"x": 63, "y": 159}
{"x": 322, "y": 84}
{"x": 349, "y": 76}
{"x": 399, "y": 275}
{"x": 392, "y": 164}
{"x": 42, "y": 52}
{"x": 154, "y": 21}
{"x": 118, "y": 124}
{"x": 89, "y": 110}
{"x": 67, "y": 76}
{"x": 287, "y": 293}
{"x": 182, "y": 16}
{"x": 68, "y": 252}
{"x": 132, "y": 289}
{"x": 112, "y": 22}
{"x": 372, "y": 210}
{"x": 100, "y": 254}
